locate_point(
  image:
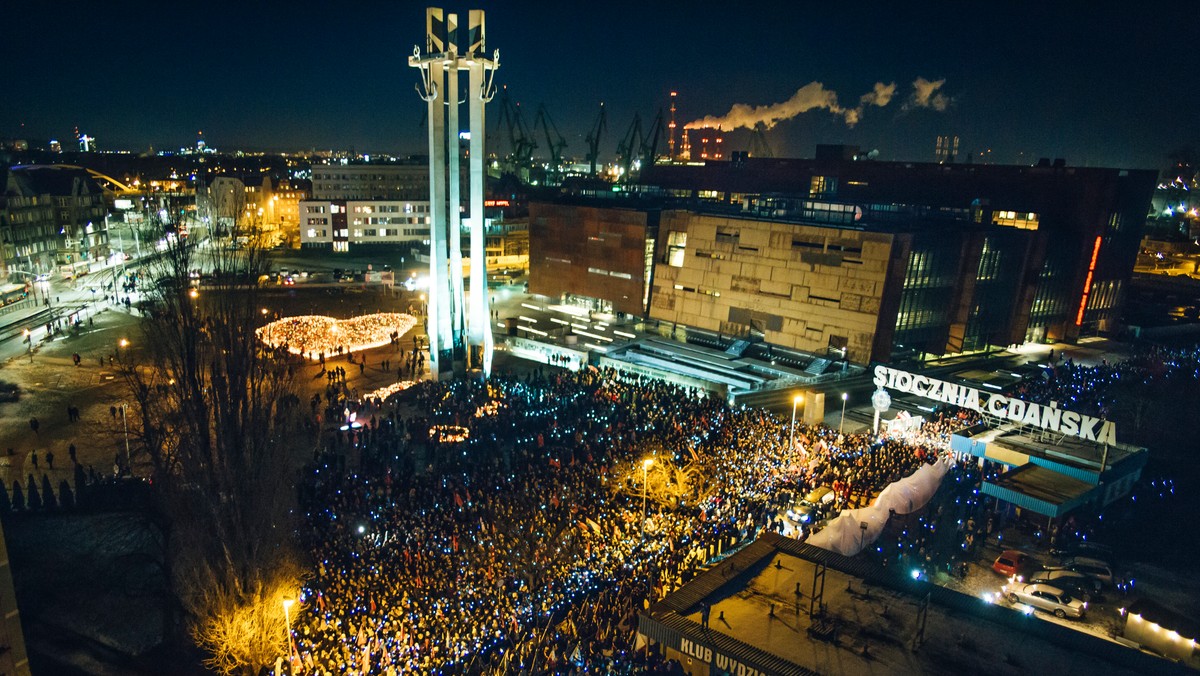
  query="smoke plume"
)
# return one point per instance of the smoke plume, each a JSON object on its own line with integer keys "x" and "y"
{"x": 880, "y": 96}
{"x": 925, "y": 94}
{"x": 811, "y": 96}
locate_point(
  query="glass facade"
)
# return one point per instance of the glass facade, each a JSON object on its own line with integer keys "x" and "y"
{"x": 928, "y": 293}
{"x": 997, "y": 282}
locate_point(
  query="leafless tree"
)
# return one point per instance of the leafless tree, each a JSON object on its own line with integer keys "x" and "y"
{"x": 219, "y": 425}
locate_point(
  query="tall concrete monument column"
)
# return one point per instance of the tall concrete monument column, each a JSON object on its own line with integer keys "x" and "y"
{"x": 460, "y": 335}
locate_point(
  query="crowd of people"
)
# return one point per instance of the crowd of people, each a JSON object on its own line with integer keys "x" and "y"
{"x": 524, "y": 546}
{"x": 1095, "y": 390}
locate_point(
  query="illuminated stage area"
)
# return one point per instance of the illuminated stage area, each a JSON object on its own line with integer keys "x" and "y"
{"x": 314, "y": 335}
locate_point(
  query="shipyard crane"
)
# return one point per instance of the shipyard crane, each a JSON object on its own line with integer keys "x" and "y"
{"x": 630, "y": 147}
{"x": 758, "y": 140}
{"x": 650, "y": 146}
{"x": 593, "y": 140}
{"x": 520, "y": 142}
{"x": 554, "y": 141}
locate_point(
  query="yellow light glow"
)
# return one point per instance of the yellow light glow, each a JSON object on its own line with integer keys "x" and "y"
{"x": 311, "y": 335}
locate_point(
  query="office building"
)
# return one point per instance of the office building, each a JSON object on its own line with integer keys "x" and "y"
{"x": 857, "y": 259}
{"x": 346, "y": 224}
{"x": 358, "y": 182}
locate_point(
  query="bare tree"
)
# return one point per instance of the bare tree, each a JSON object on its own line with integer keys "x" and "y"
{"x": 219, "y": 420}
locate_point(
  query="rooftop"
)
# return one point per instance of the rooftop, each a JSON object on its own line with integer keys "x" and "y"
{"x": 872, "y": 623}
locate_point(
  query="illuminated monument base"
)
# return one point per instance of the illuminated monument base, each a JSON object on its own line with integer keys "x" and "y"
{"x": 460, "y": 334}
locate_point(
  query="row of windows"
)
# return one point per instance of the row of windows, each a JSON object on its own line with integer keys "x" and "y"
{"x": 610, "y": 273}
{"x": 1016, "y": 219}
{"x": 392, "y": 209}
{"x": 313, "y": 233}
{"x": 706, "y": 292}
{"x": 324, "y": 176}
{"x": 391, "y": 220}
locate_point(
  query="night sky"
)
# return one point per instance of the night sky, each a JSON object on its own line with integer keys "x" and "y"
{"x": 1100, "y": 84}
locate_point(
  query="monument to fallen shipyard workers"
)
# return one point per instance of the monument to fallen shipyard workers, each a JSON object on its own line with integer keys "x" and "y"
{"x": 460, "y": 334}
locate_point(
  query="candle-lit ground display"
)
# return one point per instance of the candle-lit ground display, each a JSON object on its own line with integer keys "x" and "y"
{"x": 314, "y": 335}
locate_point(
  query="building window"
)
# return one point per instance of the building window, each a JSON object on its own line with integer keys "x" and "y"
{"x": 1115, "y": 222}
{"x": 822, "y": 186}
{"x": 676, "y": 246}
{"x": 1021, "y": 220}
{"x": 727, "y": 236}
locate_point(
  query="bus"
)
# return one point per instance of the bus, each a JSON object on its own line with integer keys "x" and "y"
{"x": 12, "y": 293}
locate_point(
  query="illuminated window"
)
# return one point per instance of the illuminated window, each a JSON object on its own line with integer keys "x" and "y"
{"x": 676, "y": 246}
{"x": 1016, "y": 219}
{"x": 822, "y": 186}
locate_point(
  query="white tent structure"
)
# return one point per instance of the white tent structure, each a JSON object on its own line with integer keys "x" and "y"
{"x": 857, "y": 529}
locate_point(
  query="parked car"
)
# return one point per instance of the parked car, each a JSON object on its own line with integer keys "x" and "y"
{"x": 1012, "y": 562}
{"x": 1093, "y": 568}
{"x": 1087, "y": 549}
{"x": 1045, "y": 597}
{"x": 1076, "y": 584}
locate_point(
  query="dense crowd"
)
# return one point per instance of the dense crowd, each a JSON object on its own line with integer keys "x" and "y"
{"x": 1095, "y": 390}
{"x": 524, "y": 547}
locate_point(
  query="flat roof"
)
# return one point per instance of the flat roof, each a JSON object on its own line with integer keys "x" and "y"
{"x": 1043, "y": 484}
{"x": 1061, "y": 448}
{"x": 997, "y": 379}
{"x": 758, "y": 622}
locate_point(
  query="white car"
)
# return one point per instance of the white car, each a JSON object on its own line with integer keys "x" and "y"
{"x": 1045, "y": 597}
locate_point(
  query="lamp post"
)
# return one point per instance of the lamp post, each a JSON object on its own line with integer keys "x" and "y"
{"x": 125, "y": 426}
{"x": 796, "y": 401}
{"x": 121, "y": 345}
{"x": 842, "y": 420}
{"x": 287, "y": 618}
{"x": 645, "y": 476}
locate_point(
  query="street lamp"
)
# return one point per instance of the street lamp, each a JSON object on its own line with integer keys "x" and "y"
{"x": 645, "y": 475}
{"x": 842, "y": 420}
{"x": 287, "y": 618}
{"x": 796, "y": 401}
